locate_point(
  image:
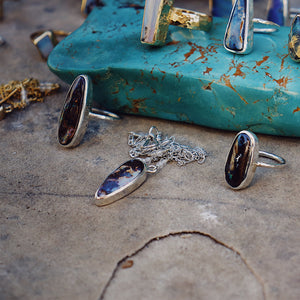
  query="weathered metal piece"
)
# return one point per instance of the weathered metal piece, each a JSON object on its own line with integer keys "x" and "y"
{"x": 191, "y": 79}
{"x": 294, "y": 39}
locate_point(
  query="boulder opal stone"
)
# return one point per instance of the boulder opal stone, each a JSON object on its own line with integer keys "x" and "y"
{"x": 237, "y": 37}
{"x": 239, "y": 160}
{"x": 71, "y": 113}
{"x": 294, "y": 39}
{"x": 121, "y": 182}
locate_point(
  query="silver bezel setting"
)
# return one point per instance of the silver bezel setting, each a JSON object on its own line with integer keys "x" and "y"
{"x": 248, "y": 37}
{"x": 124, "y": 190}
{"x": 84, "y": 113}
{"x": 252, "y": 160}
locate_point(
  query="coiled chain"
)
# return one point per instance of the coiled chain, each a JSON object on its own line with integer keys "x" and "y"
{"x": 155, "y": 150}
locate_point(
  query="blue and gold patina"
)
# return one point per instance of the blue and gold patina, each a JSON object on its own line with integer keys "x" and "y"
{"x": 294, "y": 39}
{"x": 191, "y": 79}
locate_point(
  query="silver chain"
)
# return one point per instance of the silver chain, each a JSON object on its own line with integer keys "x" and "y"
{"x": 155, "y": 150}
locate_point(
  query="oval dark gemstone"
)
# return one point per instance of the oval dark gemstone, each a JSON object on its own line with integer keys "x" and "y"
{"x": 71, "y": 112}
{"x": 294, "y": 40}
{"x": 122, "y": 176}
{"x": 235, "y": 34}
{"x": 237, "y": 164}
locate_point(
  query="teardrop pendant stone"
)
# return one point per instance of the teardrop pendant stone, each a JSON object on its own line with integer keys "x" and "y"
{"x": 121, "y": 182}
{"x": 294, "y": 39}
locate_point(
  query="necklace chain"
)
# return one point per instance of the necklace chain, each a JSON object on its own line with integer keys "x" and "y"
{"x": 156, "y": 149}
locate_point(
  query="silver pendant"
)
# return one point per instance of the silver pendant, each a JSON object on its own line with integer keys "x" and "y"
{"x": 121, "y": 182}
{"x": 150, "y": 153}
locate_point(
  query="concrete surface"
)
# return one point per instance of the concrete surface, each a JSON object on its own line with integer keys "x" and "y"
{"x": 183, "y": 235}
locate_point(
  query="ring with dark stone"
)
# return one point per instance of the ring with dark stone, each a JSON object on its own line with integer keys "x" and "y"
{"x": 77, "y": 110}
{"x": 242, "y": 160}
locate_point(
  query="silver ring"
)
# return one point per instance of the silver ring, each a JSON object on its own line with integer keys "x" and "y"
{"x": 76, "y": 112}
{"x": 238, "y": 36}
{"x": 242, "y": 160}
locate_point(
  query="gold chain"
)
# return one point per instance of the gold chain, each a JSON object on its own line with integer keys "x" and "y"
{"x": 18, "y": 94}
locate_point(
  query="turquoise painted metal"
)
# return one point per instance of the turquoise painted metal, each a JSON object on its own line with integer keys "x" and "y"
{"x": 192, "y": 78}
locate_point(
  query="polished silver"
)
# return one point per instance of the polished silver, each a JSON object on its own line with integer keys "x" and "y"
{"x": 268, "y": 26}
{"x": 156, "y": 150}
{"x": 280, "y": 162}
{"x": 153, "y": 150}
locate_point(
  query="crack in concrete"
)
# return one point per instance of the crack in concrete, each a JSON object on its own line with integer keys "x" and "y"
{"x": 172, "y": 234}
{"x": 262, "y": 210}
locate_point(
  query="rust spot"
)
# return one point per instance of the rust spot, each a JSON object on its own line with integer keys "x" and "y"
{"x": 203, "y": 52}
{"x": 241, "y": 29}
{"x": 190, "y": 53}
{"x": 283, "y": 81}
{"x": 137, "y": 104}
{"x": 259, "y": 63}
{"x": 238, "y": 71}
{"x": 127, "y": 264}
{"x": 231, "y": 111}
{"x": 208, "y": 86}
{"x": 153, "y": 91}
{"x": 115, "y": 92}
{"x": 296, "y": 110}
{"x": 207, "y": 70}
{"x": 172, "y": 43}
{"x": 178, "y": 76}
{"x": 282, "y": 61}
{"x": 179, "y": 99}
{"x": 131, "y": 90}
{"x": 227, "y": 82}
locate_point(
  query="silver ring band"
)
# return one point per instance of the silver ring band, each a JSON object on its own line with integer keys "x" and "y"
{"x": 103, "y": 114}
{"x": 273, "y": 27}
{"x": 280, "y": 161}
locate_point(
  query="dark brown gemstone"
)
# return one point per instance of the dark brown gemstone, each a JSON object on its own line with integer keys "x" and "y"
{"x": 237, "y": 164}
{"x": 71, "y": 112}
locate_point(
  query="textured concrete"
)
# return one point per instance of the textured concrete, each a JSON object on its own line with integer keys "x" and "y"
{"x": 183, "y": 235}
